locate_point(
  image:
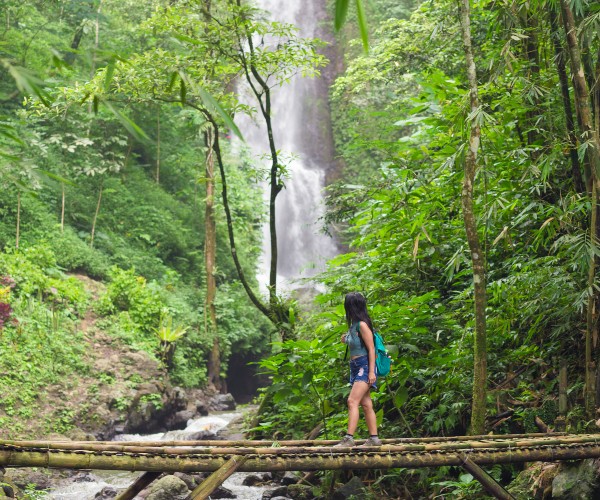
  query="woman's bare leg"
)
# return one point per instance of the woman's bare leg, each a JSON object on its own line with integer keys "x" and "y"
{"x": 367, "y": 405}
{"x": 357, "y": 394}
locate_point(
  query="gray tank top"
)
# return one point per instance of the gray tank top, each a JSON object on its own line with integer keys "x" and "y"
{"x": 356, "y": 346}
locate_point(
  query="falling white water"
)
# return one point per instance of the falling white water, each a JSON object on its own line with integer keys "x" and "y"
{"x": 298, "y": 111}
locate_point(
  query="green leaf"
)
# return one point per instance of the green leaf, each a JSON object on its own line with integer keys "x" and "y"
{"x": 172, "y": 81}
{"x": 182, "y": 91}
{"x": 341, "y": 11}
{"x": 307, "y": 378}
{"x": 110, "y": 70}
{"x": 211, "y": 103}
{"x": 362, "y": 24}
{"x": 128, "y": 123}
{"x": 400, "y": 397}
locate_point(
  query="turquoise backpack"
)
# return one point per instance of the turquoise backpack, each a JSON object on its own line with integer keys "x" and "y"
{"x": 383, "y": 361}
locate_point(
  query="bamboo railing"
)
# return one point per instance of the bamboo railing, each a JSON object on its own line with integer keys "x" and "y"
{"x": 261, "y": 456}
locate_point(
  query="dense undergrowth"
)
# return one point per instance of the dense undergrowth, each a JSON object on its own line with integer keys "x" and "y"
{"x": 133, "y": 219}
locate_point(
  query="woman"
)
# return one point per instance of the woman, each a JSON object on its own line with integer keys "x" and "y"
{"x": 362, "y": 368}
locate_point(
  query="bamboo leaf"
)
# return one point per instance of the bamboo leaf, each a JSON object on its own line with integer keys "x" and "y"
{"x": 341, "y": 12}
{"x": 211, "y": 103}
{"x": 362, "y": 24}
{"x": 110, "y": 70}
{"x": 182, "y": 91}
{"x": 172, "y": 81}
{"x": 129, "y": 124}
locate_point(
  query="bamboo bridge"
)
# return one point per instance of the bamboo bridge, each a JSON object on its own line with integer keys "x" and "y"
{"x": 222, "y": 458}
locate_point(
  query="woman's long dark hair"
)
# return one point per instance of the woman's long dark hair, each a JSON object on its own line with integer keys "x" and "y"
{"x": 356, "y": 309}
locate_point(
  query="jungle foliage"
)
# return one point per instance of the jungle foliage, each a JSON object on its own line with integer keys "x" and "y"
{"x": 104, "y": 109}
{"x": 112, "y": 190}
{"x": 402, "y": 122}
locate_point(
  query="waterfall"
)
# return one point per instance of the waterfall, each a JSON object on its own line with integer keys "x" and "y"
{"x": 302, "y": 129}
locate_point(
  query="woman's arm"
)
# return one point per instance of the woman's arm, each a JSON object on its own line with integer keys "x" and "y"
{"x": 367, "y": 336}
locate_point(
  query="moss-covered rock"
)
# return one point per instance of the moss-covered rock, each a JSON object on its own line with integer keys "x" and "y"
{"x": 535, "y": 482}
{"x": 577, "y": 480}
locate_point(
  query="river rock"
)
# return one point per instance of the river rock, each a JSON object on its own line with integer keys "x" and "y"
{"x": 201, "y": 408}
{"x": 535, "y": 481}
{"x": 203, "y": 436}
{"x": 190, "y": 480}
{"x": 222, "y": 402}
{"x": 83, "y": 477}
{"x": 222, "y": 492}
{"x": 252, "y": 480}
{"x": 7, "y": 491}
{"x": 300, "y": 492}
{"x": 288, "y": 478}
{"x": 168, "y": 488}
{"x": 106, "y": 492}
{"x": 152, "y": 407}
{"x": 180, "y": 419}
{"x": 352, "y": 489}
{"x": 276, "y": 492}
{"x": 24, "y": 477}
{"x": 577, "y": 480}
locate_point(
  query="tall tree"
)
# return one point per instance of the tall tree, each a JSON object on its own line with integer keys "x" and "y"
{"x": 477, "y": 257}
{"x": 591, "y": 145}
{"x": 210, "y": 260}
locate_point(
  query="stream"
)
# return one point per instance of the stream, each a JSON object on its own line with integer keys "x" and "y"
{"x": 85, "y": 486}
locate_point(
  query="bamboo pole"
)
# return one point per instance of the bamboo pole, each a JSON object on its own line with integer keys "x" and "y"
{"x": 211, "y": 483}
{"x": 311, "y": 459}
{"x": 140, "y": 483}
{"x": 488, "y": 482}
{"x": 125, "y": 445}
{"x": 391, "y": 448}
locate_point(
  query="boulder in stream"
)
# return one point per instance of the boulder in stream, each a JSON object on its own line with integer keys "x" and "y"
{"x": 222, "y": 402}
{"x": 168, "y": 488}
{"x": 152, "y": 408}
{"x": 106, "y": 492}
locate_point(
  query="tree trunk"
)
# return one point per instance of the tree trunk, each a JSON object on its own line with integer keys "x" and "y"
{"x": 534, "y": 114}
{"x": 96, "y": 216}
{"x": 18, "y": 219}
{"x": 158, "y": 146}
{"x": 230, "y": 231}
{"x": 210, "y": 254}
{"x": 566, "y": 97}
{"x": 70, "y": 56}
{"x": 477, "y": 258}
{"x": 582, "y": 107}
{"x": 62, "y": 210}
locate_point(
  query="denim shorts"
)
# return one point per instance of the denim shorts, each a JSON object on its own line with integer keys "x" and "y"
{"x": 359, "y": 370}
